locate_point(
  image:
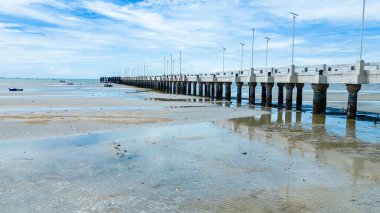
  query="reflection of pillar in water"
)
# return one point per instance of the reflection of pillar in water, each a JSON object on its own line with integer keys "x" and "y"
{"x": 269, "y": 87}
{"x": 288, "y": 117}
{"x": 252, "y": 86}
{"x": 298, "y": 117}
{"x": 299, "y": 95}
{"x": 268, "y": 118}
{"x": 319, "y": 122}
{"x": 279, "y": 116}
{"x": 353, "y": 90}
{"x": 319, "y": 98}
{"x": 280, "y": 100}
{"x": 239, "y": 86}
{"x": 289, "y": 95}
{"x": 263, "y": 94}
{"x": 351, "y": 128}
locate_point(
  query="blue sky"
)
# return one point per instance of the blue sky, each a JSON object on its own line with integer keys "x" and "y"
{"x": 90, "y": 38}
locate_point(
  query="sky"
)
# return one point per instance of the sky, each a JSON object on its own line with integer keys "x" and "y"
{"x": 92, "y": 38}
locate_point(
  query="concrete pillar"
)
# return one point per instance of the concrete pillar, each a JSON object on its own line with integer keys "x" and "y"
{"x": 239, "y": 85}
{"x": 170, "y": 86}
{"x": 195, "y": 88}
{"x": 263, "y": 94}
{"x": 252, "y": 87}
{"x": 188, "y": 88}
{"x": 184, "y": 88}
{"x": 299, "y": 95}
{"x": 319, "y": 98}
{"x": 200, "y": 89}
{"x": 352, "y": 106}
{"x": 227, "y": 93}
{"x": 218, "y": 89}
{"x": 269, "y": 87}
{"x": 289, "y": 95}
{"x": 208, "y": 89}
{"x": 280, "y": 99}
{"x": 212, "y": 90}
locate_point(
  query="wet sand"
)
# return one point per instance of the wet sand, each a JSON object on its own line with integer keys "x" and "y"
{"x": 128, "y": 150}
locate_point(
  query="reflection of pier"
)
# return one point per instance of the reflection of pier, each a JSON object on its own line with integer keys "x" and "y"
{"x": 287, "y": 131}
{"x": 319, "y": 76}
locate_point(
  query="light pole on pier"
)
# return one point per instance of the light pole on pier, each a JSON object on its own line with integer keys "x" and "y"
{"x": 362, "y": 32}
{"x": 242, "y": 50}
{"x": 180, "y": 62}
{"x": 266, "y": 55}
{"x": 253, "y": 42}
{"x": 171, "y": 64}
{"x": 164, "y": 65}
{"x": 167, "y": 66}
{"x": 224, "y": 52}
{"x": 294, "y": 25}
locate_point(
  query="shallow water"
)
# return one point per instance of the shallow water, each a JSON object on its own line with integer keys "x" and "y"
{"x": 284, "y": 161}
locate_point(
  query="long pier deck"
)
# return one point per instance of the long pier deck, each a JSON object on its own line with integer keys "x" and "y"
{"x": 319, "y": 76}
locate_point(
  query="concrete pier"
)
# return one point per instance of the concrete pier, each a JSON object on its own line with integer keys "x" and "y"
{"x": 352, "y": 103}
{"x": 239, "y": 86}
{"x": 289, "y": 95}
{"x": 219, "y": 90}
{"x": 268, "y": 87}
{"x": 319, "y": 98}
{"x": 252, "y": 92}
{"x": 299, "y": 87}
{"x": 207, "y": 89}
{"x": 263, "y": 94}
{"x": 227, "y": 86}
{"x": 280, "y": 99}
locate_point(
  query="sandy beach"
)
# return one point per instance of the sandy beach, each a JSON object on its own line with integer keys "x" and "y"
{"x": 86, "y": 148}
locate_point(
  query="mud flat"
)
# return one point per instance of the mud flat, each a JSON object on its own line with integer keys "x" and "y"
{"x": 95, "y": 149}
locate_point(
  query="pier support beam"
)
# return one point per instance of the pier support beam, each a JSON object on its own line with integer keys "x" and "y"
{"x": 200, "y": 85}
{"x": 208, "y": 89}
{"x": 184, "y": 88}
{"x": 212, "y": 91}
{"x": 319, "y": 98}
{"x": 263, "y": 94}
{"x": 352, "y": 103}
{"x": 252, "y": 87}
{"x": 170, "y": 86}
{"x": 268, "y": 87}
{"x": 195, "y": 88}
{"x": 188, "y": 88}
{"x": 289, "y": 95}
{"x": 299, "y": 95}
{"x": 239, "y": 85}
{"x": 228, "y": 90}
{"x": 280, "y": 99}
{"x": 218, "y": 90}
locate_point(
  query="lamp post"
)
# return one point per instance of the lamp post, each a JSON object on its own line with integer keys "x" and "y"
{"x": 266, "y": 55}
{"x": 164, "y": 65}
{"x": 242, "y": 50}
{"x": 362, "y": 32}
{"x": 180, "y": 62}
{"x": 294, "y": 24}
{"x": 171, "y": 64}
{"x": 224, "y": 51}
{"x": 253, "y": 42}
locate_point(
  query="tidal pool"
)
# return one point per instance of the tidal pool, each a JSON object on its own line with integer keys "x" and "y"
{"x": 269, "y": 163}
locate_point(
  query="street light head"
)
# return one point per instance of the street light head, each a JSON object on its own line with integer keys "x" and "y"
{"x": 242, "y": 44}
{"x": 267, "y": 38}
{"x": 294, "y": 14}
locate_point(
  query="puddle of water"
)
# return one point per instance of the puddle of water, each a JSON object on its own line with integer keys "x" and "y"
{"x": 202, "y": 167}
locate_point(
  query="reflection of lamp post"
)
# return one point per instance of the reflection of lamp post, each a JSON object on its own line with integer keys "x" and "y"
{"x": 266, "y": 55}
{"x": 241, "y": 64}
{"x": 294, "y": 24}
{"x": 362, "y": 32}
{"x": 253, "y": 42}
{"x": 224, "y": 51}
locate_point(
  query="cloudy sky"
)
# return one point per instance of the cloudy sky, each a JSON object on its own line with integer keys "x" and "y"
{"x": 90, "y": 38}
